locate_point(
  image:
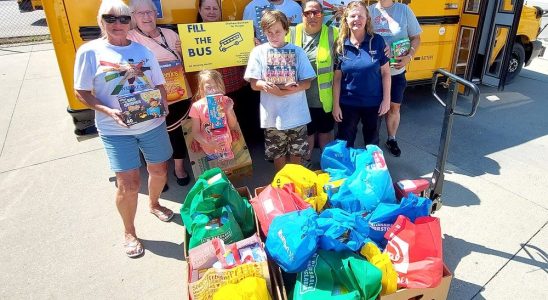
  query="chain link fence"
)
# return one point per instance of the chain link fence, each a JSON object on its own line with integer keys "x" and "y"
{"x": 20, "y": 26}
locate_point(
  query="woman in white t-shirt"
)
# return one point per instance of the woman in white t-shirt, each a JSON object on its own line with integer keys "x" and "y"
{"x": 122, "y": 81}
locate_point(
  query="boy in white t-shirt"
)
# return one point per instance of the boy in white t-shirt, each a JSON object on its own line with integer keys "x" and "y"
{"x": 284, "y": 109}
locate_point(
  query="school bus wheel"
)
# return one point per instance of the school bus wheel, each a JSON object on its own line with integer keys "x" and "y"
{"x": 517, "y": 60}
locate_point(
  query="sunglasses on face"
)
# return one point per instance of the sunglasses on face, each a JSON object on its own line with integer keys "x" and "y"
{"x": 312, "y": 13}
{"x": 111, "y": 19}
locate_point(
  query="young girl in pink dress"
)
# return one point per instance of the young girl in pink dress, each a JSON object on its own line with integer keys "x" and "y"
{"x": 216, "y": 143}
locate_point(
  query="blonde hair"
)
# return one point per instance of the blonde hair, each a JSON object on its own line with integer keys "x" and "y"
{"x": 207, "y": 75}
{"x": 116, "y": 7}
{"x": 270, "y": 17}
{"x": 344, "y": 30}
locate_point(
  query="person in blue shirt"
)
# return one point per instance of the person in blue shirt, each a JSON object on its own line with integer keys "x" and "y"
{"x": 361, "y": 84}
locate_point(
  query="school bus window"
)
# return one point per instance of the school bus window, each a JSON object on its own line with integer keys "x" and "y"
{"x": 464, "y": 47}
{"x": 497, "y": 52}
{"x": 472, "y": 6}
{"x": 507, "y": 6}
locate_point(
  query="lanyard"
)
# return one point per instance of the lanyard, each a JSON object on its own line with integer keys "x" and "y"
{"x": 164, "y": 44}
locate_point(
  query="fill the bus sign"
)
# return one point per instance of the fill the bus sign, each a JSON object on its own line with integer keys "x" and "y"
{"x": 216, "y": 44}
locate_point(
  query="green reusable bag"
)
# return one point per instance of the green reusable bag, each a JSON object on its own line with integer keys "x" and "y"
{"x": 338, "y": 275}
{"x": 219, "y": 223}
{"x": 211, "y": 191}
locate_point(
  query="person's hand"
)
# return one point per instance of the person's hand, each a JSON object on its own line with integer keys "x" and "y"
{"x": 337, "y": 113}
{"x": 403, "y": 61}
{"x": 271, "y": 88}
{"x": 384, "y": 107}
{"x": 387, "y": 51}
{"x": 116, "y": 115}
{"x": 195, "y": 146}
{"x": 291, "y": 86}
{"x": 235, "y": 135}
{"x": 257, "y": 42}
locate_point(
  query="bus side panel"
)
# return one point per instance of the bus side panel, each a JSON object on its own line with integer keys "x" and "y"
{"x": 528, "y": 23}
{"x": 436, "y": 8}
{"x": 63, "y": 43}
{"x": 436, "y": 51}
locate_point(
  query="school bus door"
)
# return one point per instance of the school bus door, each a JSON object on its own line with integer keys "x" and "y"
{"x": 498, "y": 32}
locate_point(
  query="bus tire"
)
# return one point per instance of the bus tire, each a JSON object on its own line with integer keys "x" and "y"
{"x": 517, "y": 60}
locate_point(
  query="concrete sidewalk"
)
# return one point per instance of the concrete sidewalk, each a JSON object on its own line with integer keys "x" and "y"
{"x": 62, "y": 236}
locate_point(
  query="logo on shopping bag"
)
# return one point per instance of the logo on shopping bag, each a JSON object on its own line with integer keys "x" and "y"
{"x": 398, "y": 250}
{"x": 290, "y": 254}
{"x": 309, "y": 279}
{"x": 380, "y": 163}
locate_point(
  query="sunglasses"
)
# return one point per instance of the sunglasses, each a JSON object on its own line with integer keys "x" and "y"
{"x": 111, "y": 19}
{"x": 312, "y": 13}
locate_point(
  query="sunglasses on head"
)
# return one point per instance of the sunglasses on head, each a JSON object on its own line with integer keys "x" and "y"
{"x": 111, "y": 19}
{"x": 312, "y": 13}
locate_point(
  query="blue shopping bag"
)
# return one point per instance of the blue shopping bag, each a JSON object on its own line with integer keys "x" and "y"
{"x": 292, "y": 239}
{"x": 338, "y": 160}
{"x": 386, "y": 214}
{"x": 369, "y": 185}
{"x": 341, "y": 230}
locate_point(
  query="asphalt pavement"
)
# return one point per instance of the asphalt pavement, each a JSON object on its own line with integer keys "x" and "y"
{"x": 61, "y": 235}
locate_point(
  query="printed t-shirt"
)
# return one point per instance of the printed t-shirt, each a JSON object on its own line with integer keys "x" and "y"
{"x": 361, "y": 82}
{"x": 290, "y": 8}
{"x": 109, "y": 71}
{"x": 280, "y": 112}
{"x": 394, "y": 23}
{"x": 199, "y": 111}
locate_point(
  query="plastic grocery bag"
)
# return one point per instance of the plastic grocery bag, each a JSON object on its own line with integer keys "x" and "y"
{"x": 250, "y": 288}
{"x": 273, "y": 201}
{"x": 369, "y": 185}
{"x": 341, "y": 230}
{"x": 338, "y": 160}
{"x": 386, "y": 214}
{"x": 416, "y": 251}
{"x": 211, "y": 191}
{"x": 338, "y": 275}
{"x": 292, "y": 239}
{"x": 384, "y": 264}
{"x": 308, "y": 184}
{"x": 219, "y": 223}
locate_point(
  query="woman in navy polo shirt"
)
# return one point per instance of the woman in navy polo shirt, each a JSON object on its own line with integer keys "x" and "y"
{"x": 361, "y": 85}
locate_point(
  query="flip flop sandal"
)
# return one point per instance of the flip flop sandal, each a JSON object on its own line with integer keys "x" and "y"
{"x": 134, "y": 248}
{"x": 163, "y": 213}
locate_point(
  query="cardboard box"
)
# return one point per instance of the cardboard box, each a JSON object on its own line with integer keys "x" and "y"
{"x": 438, "y": 293}
{"x": 273, "y": 271}
{"x": 240, "y": 166}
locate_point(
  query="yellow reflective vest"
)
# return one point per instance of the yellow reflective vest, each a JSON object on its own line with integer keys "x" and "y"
{"x": 324, "y": 60}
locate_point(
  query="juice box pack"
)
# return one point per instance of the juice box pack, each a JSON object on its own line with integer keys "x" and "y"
{"x": 399, "y": 48}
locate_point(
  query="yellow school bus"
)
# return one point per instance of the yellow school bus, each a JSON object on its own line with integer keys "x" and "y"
{"x": 483, "y": 41}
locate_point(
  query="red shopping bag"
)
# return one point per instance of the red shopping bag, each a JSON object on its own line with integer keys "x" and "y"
{"x": 416, "y": 251}
{"x": 273, "y": 201}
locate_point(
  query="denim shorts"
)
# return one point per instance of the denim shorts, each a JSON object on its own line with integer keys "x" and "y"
{"x": 123, "y": 150}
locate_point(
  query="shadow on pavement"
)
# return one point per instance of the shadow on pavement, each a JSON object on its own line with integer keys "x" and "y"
{"x": 164, "y": 248}
{"x": 461, "y": 248}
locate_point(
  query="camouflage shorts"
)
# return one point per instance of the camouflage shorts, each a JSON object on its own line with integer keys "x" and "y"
{"x": 282, "y": 142}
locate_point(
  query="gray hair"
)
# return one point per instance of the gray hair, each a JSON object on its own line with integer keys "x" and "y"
{"x": 134, "y": 4}
{"x": 116, "y": 7}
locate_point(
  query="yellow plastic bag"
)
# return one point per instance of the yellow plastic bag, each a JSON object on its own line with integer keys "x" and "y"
{"x": 214, "y": 279}
{"x": 382, "y": 262}
{"x": 308, "y": 184}
{"x": 250, "y": 288}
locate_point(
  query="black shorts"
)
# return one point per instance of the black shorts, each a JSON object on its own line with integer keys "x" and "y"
{"x": 322, "y": 122}
{"x": 399, "y": 83}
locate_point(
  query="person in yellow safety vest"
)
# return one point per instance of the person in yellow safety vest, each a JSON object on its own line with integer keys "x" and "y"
{"x": 317, "y": 40}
